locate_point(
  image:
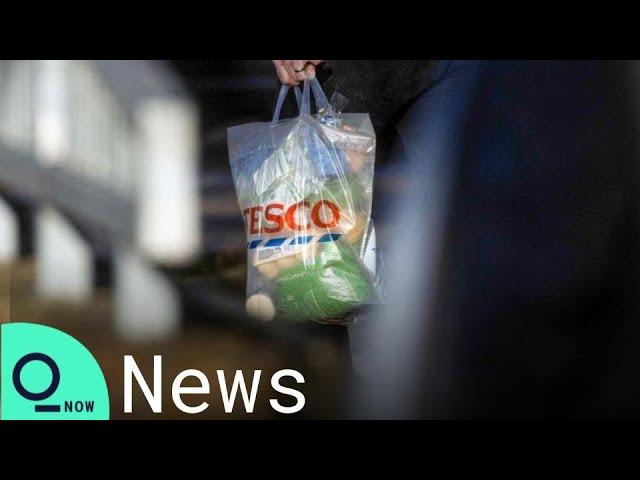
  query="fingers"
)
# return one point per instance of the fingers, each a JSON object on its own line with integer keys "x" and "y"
{"x": 299, "y": 69}
{"x": 287, "y": 74}
{"x": 283, "y": 73}
{"x": 298, "y": 64}
{"x": 293, "y": 76}
{"x": 310, "y": 68}
{"x": 310, "y": 71}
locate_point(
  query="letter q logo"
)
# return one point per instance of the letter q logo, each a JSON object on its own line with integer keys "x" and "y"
{"x": 47, "y": 392}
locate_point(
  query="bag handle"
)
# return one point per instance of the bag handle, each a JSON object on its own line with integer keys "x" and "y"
{"x": 321, "y": 100}
{"x": 303, "y": 99}
{"x": 282, "y": 96}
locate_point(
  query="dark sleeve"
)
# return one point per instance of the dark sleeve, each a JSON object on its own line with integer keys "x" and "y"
{"x": 383, "y": 88}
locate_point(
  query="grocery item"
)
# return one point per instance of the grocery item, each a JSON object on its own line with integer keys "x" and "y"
{"x": 260, "y": 306}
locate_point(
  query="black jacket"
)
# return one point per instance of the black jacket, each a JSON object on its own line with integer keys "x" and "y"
{"x": 382, "y": 88}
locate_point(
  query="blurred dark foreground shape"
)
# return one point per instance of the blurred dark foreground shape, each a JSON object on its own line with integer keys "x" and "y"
{"x": 515, "y": 272}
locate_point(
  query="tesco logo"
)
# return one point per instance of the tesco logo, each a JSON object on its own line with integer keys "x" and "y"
{"x": 273, "y": 218}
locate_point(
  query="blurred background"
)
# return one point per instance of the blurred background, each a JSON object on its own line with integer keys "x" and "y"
{"x": 119, "y": 223}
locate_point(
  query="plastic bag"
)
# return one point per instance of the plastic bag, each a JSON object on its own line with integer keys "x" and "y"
{"x": 304, "y": 186}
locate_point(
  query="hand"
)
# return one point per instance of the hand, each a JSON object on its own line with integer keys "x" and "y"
{"x": 292, "y": 72}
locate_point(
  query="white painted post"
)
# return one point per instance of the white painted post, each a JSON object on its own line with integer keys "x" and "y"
{"x": 168, "y": 228}
{"x": 168, "y": 220}
{"x": 9, "y": 233}
{"x": 64, "y": 262}
{"x": 147, "y": 304}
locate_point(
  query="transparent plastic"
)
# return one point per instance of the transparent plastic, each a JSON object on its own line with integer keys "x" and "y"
{"x": 304, "y": 186}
